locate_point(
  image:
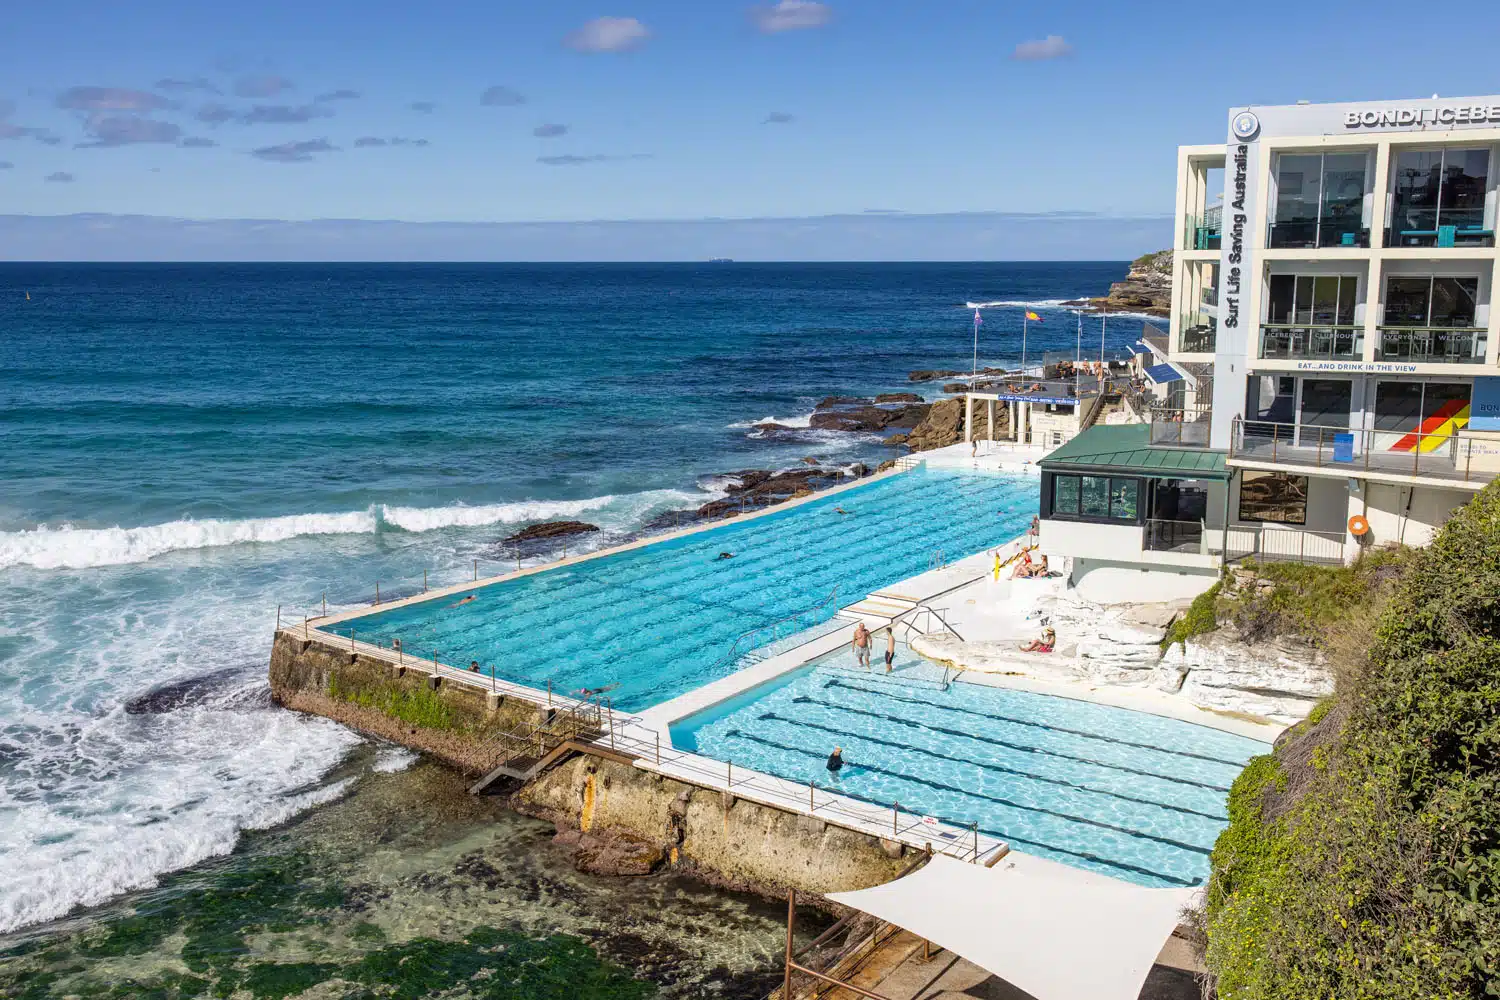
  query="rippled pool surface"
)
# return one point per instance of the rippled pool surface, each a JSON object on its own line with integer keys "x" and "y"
{"x": 662, "y": 619}
{"x": 1134, "y": 796}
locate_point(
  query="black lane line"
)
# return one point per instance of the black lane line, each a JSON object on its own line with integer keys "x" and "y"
{"x": 836, "y": 682}
{"x": 995, "y": 767}
{"x": 997, "y": 834}
{"x": 1069, "y": 817}
{"x": 1022, "y": 747}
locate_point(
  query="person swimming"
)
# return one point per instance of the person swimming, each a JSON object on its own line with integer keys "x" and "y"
{"x": 723, "y": 555}
{"x": 466, "y": 600}
{"x": 840, "y": 510}
{"x": 835, "y": 762}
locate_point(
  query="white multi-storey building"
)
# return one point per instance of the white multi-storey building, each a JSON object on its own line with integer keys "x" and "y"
{"x": 1335, "y": 270}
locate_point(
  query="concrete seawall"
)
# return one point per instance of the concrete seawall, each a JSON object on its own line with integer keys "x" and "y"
{"x": 622, "y": 818}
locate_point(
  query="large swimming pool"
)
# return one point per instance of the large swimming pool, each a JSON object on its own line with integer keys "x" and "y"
{"x": 662, "y": 619}
{"x": 1131, "y": 795}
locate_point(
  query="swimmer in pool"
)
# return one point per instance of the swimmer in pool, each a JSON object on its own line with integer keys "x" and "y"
{"x": 723, "y": 555}
{"x": 835, "y": 762}
{"x": 840, "y": 510}
{"x": 466, "y": 600}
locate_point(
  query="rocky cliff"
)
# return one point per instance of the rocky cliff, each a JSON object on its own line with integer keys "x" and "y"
{"x": 1147, "y": 288}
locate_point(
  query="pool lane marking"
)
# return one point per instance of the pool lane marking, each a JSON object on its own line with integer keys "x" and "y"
{"x": 996, "y": 767}
{"x": 996, "y": 741}
{"x": 836, "y": 682}
{"x": 1000, "y": 834}
{"x": 999, "y": 800}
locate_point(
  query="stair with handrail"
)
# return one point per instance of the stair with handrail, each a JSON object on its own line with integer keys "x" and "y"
{"x": 748, "y": 642}
{"x": 524, "y": 752}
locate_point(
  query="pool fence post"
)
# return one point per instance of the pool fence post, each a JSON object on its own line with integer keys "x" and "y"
{"x": 434, "y": 663}
{"x": 895, "y": 818}
{"x": 400, "y": 653}
{"x": 304, "y": 627}
{"x": 729, "y": 780}
{"x": 811, "y": 805}
{"x": 325, "y": 604}
{"x": 351, "y": 639}
{"x": 424, "y": 581}
{"x": 976, "y": 843}
{"x": 791, "y": 919}
{"x": 549, "y": 692}
{"x": 658, "y": 749}
{"x": 611, "y": 710}
{"x": 278, "y": 618}
{"x": 476, "y": 570}
{"x": 377, "y": 593}
{"x": 492, "y": 678}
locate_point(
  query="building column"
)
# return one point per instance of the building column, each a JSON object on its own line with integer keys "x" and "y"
{"x": 989, "y": 405}
{"x": 1492, "y": 340}
{"x": 968, "y": 418}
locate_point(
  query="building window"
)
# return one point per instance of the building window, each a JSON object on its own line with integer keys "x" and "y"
{"x": 1312, "y": 316}
{"x": 1095, "y": 498}
{"x": 1438, "y": 197}
{"x": 1418, "y": 415}
{"x": 1320, "y": 200}
{"x": 1273, "y": 496}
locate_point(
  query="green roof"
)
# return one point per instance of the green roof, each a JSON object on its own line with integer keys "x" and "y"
{"x": 1124, "y": 448}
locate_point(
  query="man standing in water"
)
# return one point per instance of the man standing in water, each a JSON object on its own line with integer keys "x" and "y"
{"x": 890, "y": 646}
{"x": 862, "y": 646}
{"x": 835, "y": 763}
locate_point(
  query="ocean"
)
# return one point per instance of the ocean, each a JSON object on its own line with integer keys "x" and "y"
{"x": 188, "y": 448}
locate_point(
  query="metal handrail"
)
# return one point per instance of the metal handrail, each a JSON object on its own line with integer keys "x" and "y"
{"x": 1444, "y": 454}
{"x": 735, "y": 652}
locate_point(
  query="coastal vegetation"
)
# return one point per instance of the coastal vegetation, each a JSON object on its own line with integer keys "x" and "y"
{"x": 414, "y": 706}
{"x": 1362, "y": 857}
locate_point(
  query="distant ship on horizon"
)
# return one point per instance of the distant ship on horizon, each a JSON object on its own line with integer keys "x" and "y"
{"x": 721, "y": 260}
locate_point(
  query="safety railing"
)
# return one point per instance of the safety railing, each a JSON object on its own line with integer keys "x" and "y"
{"x": 1432, "y": 345}
{"x": 1186, "y": 427}
{"x": 763, "y": 635}
{"x": 1275, "y": 543}
{"x": 1304, "y": 342}
{"x": 1442, "y": 452}
{"x": 1163, "y": 535}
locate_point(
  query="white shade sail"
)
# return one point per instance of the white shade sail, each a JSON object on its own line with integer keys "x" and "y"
{"x": 1055, "y": 932}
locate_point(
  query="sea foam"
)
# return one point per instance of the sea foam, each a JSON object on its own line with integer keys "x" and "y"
{"x": 68, "y": 547}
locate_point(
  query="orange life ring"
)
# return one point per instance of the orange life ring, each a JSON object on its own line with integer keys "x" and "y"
{"x": 1358, "y": 526}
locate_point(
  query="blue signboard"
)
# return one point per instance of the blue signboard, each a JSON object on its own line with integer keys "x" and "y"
{"x": 1484, "y": 408}
{"x": 1343, "y": 447}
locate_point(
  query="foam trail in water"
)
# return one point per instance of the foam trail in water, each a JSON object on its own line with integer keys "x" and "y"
{"x": 1019, "y": 304}
{"x": 80, "y": 548}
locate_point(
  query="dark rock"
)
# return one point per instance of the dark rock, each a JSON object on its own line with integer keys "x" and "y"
{"x": 956, "y": 387}
{"x": 615, "y": 853}
{"x": 829, "y": 402}
{"x": 809, "y": 461}
{"x": 757, "y": 488}
{"x": 1147, "y": 288}
{"x": 551, "y": 529}
{"x": 931, "y": 374}
{"x": 870, "y": 419}
{"x": 889, "y": 463}
{"x": 220, "y": 686}
{"x": 775, "y": 427}
{"x": 898, "y": 397}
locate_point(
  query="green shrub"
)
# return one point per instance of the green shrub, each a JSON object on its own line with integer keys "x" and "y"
{"x": 1364, "y": 860}
{"x": 1201, "y": 617}
{"x": 1305, "y": 601}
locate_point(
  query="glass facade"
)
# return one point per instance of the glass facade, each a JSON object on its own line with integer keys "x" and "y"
{"x": 1273, "y": 496}
{"x": 1320, "y": 200}
{"x": 1312, "y": 316}
{"x": 1432, "y": 319}
{"x": 1437, "y": 198}
{"x": 1096, "y": 498}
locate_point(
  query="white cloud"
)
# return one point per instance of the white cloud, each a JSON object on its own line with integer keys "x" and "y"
{"x": 502, "y": 97}
{"x": 609, "y": 34}
{"x": 790, "y": 15}
{"x": 1051, "y": 47}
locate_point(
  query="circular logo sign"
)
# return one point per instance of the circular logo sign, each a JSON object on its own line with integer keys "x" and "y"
{"x": 1245, "y": 125}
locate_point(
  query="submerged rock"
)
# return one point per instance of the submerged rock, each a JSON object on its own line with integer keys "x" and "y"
{"x": 931, "y": 374}
{"x": 870, "y": 419}
{"x": 551, "y": 529}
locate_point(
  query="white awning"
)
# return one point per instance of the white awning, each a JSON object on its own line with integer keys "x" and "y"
{"x": 1055, "y": 932}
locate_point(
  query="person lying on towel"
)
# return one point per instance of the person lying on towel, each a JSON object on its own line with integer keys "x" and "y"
{"x": 1043, "y": 645}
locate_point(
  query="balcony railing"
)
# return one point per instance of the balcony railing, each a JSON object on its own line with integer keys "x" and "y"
{"x": 1330, "y": 231}
{"x": 1293, "y": 342}
{"x": 1205, "y": 233}
{"x": 1173, "y": 536}
{"x": 1200, "y": 334}
{"x": 1440, "y": 345}
{"x": 1182, "y": 428}
{"x": 1426, "y": 232}
{"x": 1438, "y": 454}
{"x": 1274, "y": 543}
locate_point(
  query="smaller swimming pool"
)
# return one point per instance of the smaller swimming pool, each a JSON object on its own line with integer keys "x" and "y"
{"x": 1135, "y": 796}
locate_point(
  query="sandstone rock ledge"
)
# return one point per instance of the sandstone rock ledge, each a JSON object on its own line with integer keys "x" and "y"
{"x": 1102, "y": 647}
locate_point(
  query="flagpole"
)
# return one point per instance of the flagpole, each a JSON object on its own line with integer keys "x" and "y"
{"x": 1024, "y": 321}
{"x": 1103, "y": 322}
{"x": 1078, "y": 355}
{"x": 974, "y": 371}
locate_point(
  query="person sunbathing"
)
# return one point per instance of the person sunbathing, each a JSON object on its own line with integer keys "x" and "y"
{"x": 1043, "y": 645}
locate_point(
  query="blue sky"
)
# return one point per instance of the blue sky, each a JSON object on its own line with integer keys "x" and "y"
{"x": 709, "y": 109}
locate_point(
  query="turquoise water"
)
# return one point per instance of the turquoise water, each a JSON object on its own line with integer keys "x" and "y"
{"x": 661, "y": 620}
{"x": 1134, "y": 796}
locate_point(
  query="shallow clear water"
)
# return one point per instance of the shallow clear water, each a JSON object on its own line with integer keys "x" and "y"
{"x": 663, "y": 619}
{"x": 1131, "y": 795}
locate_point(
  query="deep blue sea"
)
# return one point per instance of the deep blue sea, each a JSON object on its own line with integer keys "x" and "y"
{"x": 186, "y": 447}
